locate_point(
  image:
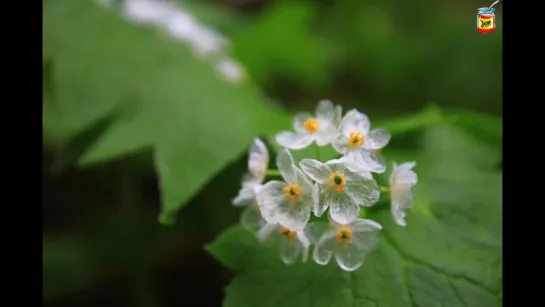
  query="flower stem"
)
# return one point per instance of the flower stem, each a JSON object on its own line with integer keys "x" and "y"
{"x": 317, "y": 148}
{"x": 384, "y": 189}
{"x": 273, "y": 172}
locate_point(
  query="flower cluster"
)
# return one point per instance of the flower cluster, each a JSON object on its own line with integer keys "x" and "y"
{"x": 282, "y": 209}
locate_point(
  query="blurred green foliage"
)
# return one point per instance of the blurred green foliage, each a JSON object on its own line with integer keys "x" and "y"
{"x": 123, "y": 102}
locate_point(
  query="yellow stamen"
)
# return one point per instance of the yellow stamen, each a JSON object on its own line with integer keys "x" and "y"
{"x": 355, "y": 139}
{"x": 290, "y": 235}
{"x": 311, "y": 125}
{"x": 344, "y": 235}
{"x": 293, "y": 191}
{"x": 337, "y": 181}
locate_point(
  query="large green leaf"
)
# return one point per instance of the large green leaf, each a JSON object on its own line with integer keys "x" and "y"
{"x": 449, "y": 254}
{"x": 170, "y": 101}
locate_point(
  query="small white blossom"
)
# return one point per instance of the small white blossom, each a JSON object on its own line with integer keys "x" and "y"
{"x": 341, "y": 189}
{"x": 349, "y": 243}
{"x": 356, "y": 142}
{"x": 402, "y": 179}
{"x": 258, "y": 162}
{"x": 287, "y": 203}
{"x": 321, "y": 127}
{"x": 291, "y": 244}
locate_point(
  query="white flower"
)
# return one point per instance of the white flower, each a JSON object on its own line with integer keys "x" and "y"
{"x": 287, "y": 203}
{"x": 258, "y": 162}
{"x": 291, "y": 244}
{"x": 341, "y": 189}
{"x": 321, "y": 128}
{"x": 349, "y": 243}
{"x": 402, "y": 179}
{"x": 356, "y": 142}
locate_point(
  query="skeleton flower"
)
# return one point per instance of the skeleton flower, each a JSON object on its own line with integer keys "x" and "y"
{"x": 341, "y": 189}
{"x": 321, "y": 128}
{"x": 291, "y": 244}
{"x": 402, "y": 179}
{"x": 258, "y": 162}
{"x": 287, "y": 203}
{"x": 356, "y": 142}
{"x": 349, "y": 243}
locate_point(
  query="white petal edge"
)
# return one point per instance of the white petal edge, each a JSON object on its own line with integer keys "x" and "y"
{"x": 355, "y": 121}
{"x": 378, "y": 138}
{"x": 294, "y": 141}
{"x": 350, "y": 258}
{"x": 325, "y": 110}
{"x": 284, "y": 162}
{"x": 258, "y": 159}
{"x": 266, "y": 232}
{"x": 316, "y": 170}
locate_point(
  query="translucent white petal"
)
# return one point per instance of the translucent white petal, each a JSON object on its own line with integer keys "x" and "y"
{"x": 365, "y": 234}
{"x": 250, "y": 180}
{"x": 318, "y": 209}
{"x": 340, "y": 143}
{"x": 365, "y": 225}
{"x": 258, "y": 159}
{"x": 362, "y": 191}
{"x": 349, "y": 257}
{"x": 276, "y": 208}
{"x": 323, "y": 250}
{"x": 401, "y": 198}
{"x": 378, "y": 138}
{"x": 398, "y": 214}
{"x": 269, "y": 198}
{"x": 266, "y": 232}
{"x": 403, "y": 175}
{"x": 251, "y": 218}
{"x": 290, "y": 251}
{"x": 295, "y": 141}
{"x": 246, "y": 196}
{"x": 363, "y": 159}
{"x": 325, "y": 110}
{"x": 305, "y": 244}
{"x": 298, "y": 121}
{"x": 338, "y": 115}
{"x": 315, "y": 230}
{"x": 327, "y": 132}
{"x": 342, "y": 208}
{"x": 316, "y": 170}
{"x": 355, "y": 121}
{"x": 345, "y": 211}
{"x": 284, "y": 162}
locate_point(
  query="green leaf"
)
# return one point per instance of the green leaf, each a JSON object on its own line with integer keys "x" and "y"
{"x": 195, "y": 122}
{"x": 281, "y": 44}
{"x": 449, "y": 254}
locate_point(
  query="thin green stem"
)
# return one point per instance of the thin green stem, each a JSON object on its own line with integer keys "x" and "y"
{"x": 317, "y": 148}
{"x": 384, "y": 189}
{"x": 273, "y": 172}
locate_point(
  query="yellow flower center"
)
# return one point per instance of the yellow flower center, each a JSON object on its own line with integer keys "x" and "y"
{"x": 292, "y": 191}
{"x": 290, "y": 235}
{"x": 355, "y": 139}
{"x": 344, "y": 235}
{"x": 311, "y": 125}
{"x": 337, "y": 181}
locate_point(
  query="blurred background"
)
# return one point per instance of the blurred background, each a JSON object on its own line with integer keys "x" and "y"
{"x": 102, "y": 241}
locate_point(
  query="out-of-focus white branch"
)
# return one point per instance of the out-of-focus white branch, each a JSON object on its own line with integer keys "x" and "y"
{"x": 180, "y": 25}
